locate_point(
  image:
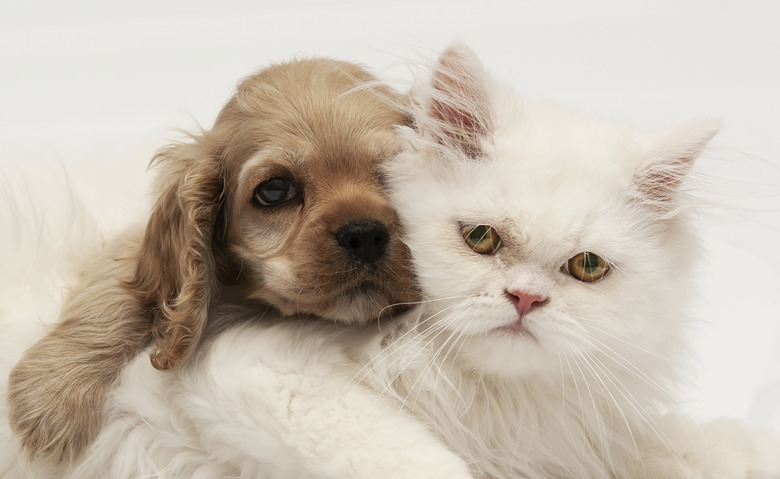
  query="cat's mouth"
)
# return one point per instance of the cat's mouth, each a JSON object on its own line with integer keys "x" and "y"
{"x": 518, "y": 328}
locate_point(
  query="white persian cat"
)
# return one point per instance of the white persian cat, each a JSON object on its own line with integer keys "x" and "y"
{"x": 554, "y": 253}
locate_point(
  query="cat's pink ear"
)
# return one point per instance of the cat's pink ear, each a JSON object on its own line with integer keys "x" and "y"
{"x": 672, "y": 153}
{"x": 458, "y": 105}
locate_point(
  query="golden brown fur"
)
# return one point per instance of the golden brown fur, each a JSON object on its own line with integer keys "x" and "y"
{"x": 208, "y": 240}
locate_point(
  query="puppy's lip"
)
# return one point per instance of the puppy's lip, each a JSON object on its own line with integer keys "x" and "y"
{"x": 366, "y": 290}
{"x": 382, "y": 295}
{"x": 357, "y": 290}
{"x": 371, "y": 299}
{"x": 358, "y": 302}
{"x": 364, "y": 287}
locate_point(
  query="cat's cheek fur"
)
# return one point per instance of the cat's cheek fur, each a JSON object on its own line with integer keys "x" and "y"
{"x": 478, "y": 315}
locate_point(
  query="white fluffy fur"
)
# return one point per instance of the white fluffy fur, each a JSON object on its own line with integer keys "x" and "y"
{"x": 443, "y": 392}
{"x": 284, "y": 408}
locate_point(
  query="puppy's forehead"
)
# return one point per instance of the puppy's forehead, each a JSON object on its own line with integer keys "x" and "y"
{"x": 333, "y": 124}
{"x": 320, "y": 159}
{"x": 317, "y": 117}
{"x": 307, "y": 94}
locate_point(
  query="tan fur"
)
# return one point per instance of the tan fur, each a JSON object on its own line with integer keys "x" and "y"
{"x": 206, "y": 242}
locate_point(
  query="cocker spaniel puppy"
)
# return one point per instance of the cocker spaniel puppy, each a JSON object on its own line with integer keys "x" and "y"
{"x": 278, "y": 206}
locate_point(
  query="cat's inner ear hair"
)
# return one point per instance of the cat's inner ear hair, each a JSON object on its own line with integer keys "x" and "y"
{"x": 673, "y": 153}
{"x": 458, "y": 108}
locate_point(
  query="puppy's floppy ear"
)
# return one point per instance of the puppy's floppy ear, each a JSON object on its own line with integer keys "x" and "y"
{"x": 175, "y": 275}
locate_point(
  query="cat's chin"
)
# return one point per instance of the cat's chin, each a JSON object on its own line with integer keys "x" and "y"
{"x": 508, "y": 351}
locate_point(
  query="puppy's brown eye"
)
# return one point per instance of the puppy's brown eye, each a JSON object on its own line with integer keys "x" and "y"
{"x": 482, "y": 239}
{"x": 274, "y": 192}
{"x": 586, "y": 267}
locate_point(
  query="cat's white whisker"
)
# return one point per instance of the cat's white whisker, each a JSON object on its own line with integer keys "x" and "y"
{"x": 626, "y": 366}
{"x": 575, "y": 379}
{"x": 592, "y": 365}
{"x": 633, "y": 345}
{"x": 420, "y": 303}
{"x": 427, "y": 337}
{"x": 630, "y": 367}
{"x": 563, "y": 386}
{"x": 435, "y": 360}
{"x": 601, "y": 431}
{"x": 634, "y": 403}
{"x": 624, "y": 391}
{"x": 383, "y": 356}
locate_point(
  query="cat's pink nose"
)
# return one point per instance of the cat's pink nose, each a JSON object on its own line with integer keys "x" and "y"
{"x": 524, "y": 302}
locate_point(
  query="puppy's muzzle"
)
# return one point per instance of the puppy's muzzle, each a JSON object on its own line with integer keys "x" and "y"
{"x": 365, "y": 241}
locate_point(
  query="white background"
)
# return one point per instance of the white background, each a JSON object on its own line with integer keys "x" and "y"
{"x": 96, "y": 86}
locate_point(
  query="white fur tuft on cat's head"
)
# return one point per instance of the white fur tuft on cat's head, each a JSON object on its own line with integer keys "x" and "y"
{"x": 552, "y": 185}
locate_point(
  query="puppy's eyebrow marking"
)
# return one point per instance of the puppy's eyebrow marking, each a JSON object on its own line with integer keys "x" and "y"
{"x": 252, "y": 163}
{"x": 260, "y": 168}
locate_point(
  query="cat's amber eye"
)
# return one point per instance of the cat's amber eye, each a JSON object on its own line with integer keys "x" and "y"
{"x": 587, "y": 267}
{"x": 482, "y": 239}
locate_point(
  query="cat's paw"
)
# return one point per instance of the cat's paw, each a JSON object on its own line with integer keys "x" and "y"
{"x": 680, "y": 448}
{"x": 735, "y": 450}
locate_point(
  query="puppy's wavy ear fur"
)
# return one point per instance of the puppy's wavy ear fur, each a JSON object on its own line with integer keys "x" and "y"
{"x": 175, "y": 276}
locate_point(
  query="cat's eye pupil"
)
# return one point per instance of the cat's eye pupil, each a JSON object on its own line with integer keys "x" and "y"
{"x": 274, "y": 191}
{"x": 590, "y": 263}
{"x": 478, "y": 234}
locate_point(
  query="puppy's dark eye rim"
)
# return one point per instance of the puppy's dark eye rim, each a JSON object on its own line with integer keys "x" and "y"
{"x": 586, "y": 267}
{"x": 275, "y": 191}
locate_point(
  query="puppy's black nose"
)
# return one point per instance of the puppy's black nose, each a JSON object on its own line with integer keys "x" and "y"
{"x": 365, "y": 240}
